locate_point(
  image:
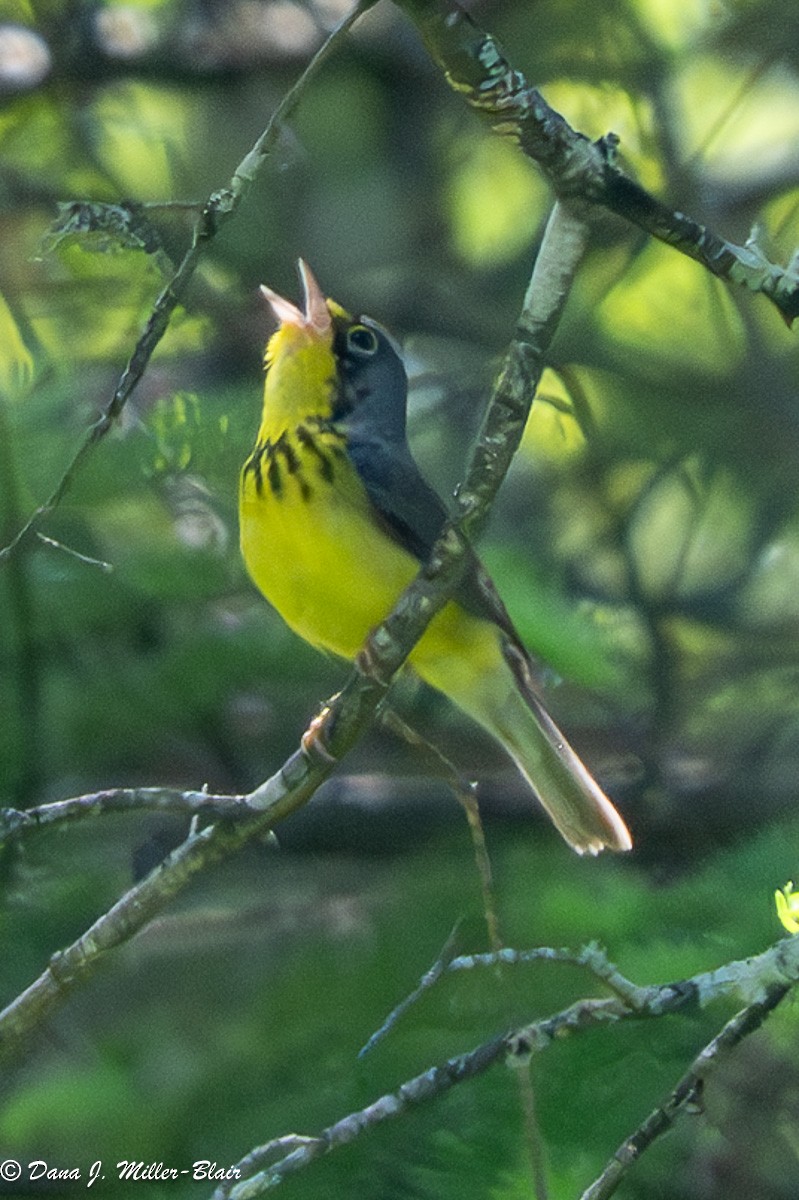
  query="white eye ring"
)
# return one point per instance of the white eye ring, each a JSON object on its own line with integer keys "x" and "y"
{"x": 362, "y": 341}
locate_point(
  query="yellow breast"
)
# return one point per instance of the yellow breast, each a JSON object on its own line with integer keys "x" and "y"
{"x": 310, "y": 541}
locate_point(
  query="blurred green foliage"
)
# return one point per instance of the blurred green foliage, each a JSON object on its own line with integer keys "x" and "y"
{"x": 647, "y": 544}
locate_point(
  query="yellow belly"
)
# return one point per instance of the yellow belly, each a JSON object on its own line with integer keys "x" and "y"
{"x": 333, "y": 575}
{"x": 320, "y": 561}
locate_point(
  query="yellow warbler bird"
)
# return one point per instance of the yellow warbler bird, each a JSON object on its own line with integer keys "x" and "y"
{"x": 336, "y": 519}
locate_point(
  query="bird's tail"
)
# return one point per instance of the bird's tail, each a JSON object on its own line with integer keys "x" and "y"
{"x": 580, "y": 810}
{"x": 483, "y": 668}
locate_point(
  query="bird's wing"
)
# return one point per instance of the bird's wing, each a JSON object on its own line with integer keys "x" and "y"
{"x": 408, "y": 508}
{"x": 413, "y": 514}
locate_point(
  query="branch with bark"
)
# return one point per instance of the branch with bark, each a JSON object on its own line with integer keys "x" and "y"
{"x": 761, "y": 982}
{"x": 578, "y": 169}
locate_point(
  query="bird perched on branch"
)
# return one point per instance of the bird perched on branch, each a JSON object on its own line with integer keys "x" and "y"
{"x": 336, "y": 519}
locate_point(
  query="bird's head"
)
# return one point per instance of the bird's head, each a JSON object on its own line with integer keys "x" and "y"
{"x": 322, "y": 362}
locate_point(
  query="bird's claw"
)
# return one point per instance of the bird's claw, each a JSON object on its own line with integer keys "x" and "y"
{"x": 312, "y": 741}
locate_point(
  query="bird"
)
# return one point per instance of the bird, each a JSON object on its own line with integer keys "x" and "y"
{"x": 336, "y": 519}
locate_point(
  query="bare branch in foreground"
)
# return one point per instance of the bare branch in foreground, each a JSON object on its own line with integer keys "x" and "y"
{"x": 767, "y": 977}
{"x": 687, "y": 1095}
{"x": 427, "y": 1086}
{"x": 14, "y": 822}
{"x": 73, "y": 966}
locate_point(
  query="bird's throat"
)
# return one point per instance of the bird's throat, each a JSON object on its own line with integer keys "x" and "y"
{"x": 301, "y": 382}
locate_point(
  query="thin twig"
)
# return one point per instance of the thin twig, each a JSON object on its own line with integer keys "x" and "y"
{"x": 24, "y": 774}
{"x": 430, "y": 977}
{"x": 464, "y": 793}
{"x": 86, "y": 559}
{"x": 217, "y": 210}
{"x": 686, "y": 1095}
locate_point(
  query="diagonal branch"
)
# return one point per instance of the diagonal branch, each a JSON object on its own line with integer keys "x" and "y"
{"x": 215, "y": 213}
{"x": 688, "y": 1092}
{"x": 577, "y": 168}
{"x": 430, "y": 1085}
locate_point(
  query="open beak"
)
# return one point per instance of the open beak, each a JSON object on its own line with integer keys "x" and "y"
{"x": 316, "y": 317}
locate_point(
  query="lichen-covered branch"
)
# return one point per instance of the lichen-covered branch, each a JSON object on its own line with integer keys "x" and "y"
{"x": 577, "y": 168}
{"x": 687, "y": 1093}
{"x": 748, "y": 980}
{"x": 14, "y": 822}
{"x": 73, "y": 966}
{"x": 305, "y": 1150}
{"x": 562, "y": 250}
{"x": 286, "y": 791}
{"x": 763, "y": 980}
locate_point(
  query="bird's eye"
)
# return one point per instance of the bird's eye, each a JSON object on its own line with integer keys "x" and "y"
{"x": 362, "y": 341}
